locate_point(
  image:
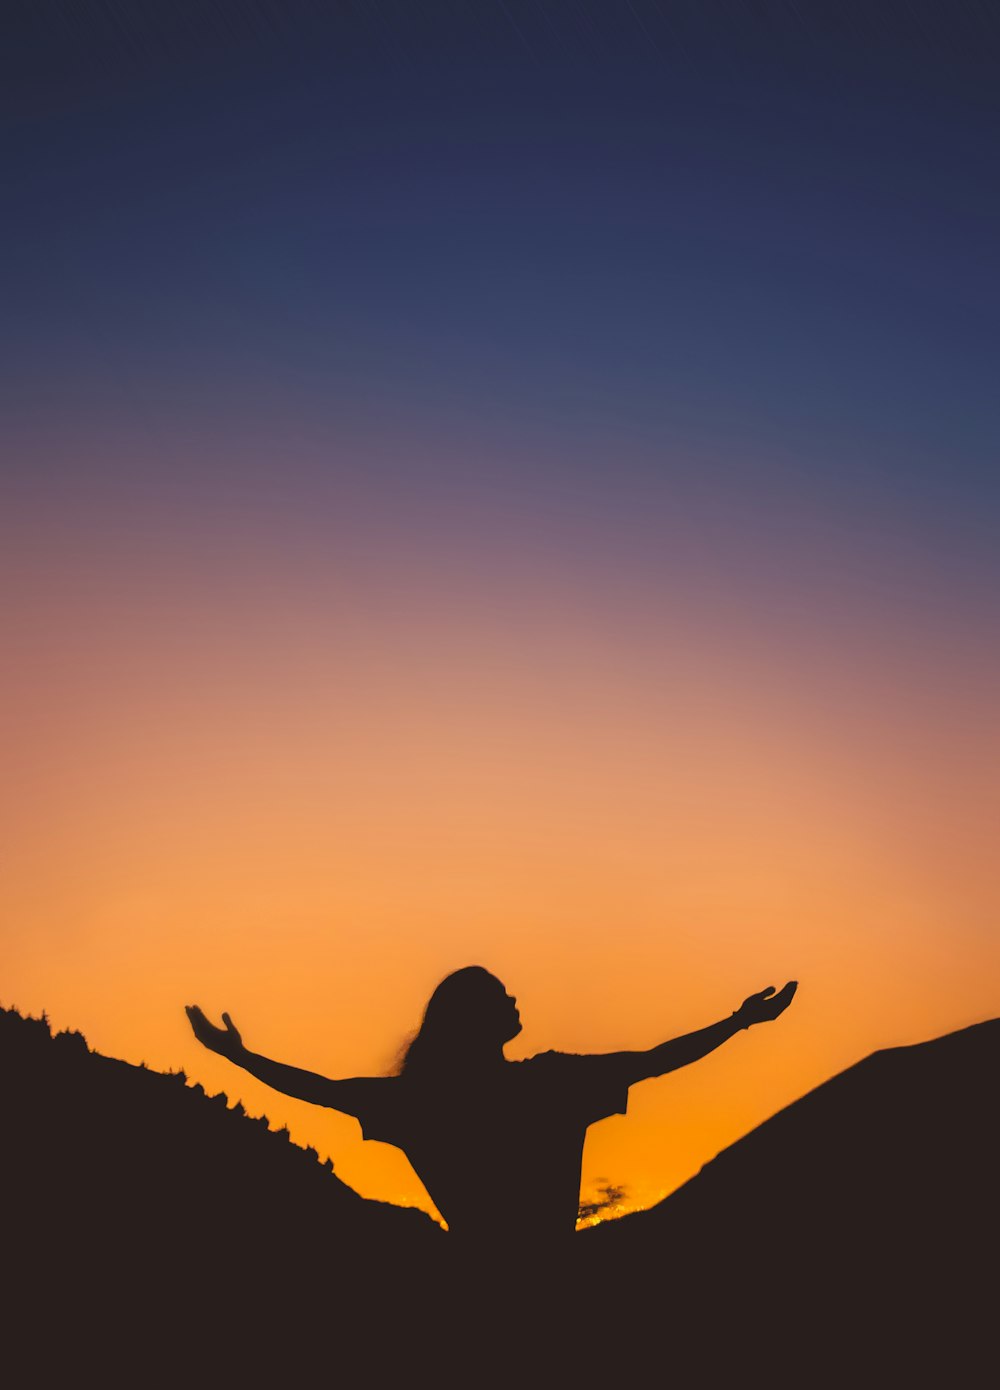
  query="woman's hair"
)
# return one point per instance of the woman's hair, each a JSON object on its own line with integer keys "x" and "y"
{"x": 453, "y": 1018}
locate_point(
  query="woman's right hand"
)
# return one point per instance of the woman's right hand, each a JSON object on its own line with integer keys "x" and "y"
{"x": 226, "y": 1041}
{"x": 765, "y": 1006}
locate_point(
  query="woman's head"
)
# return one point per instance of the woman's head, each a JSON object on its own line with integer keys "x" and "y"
{"x": 469, "y": 1016}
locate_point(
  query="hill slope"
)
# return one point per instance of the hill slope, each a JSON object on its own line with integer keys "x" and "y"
{"x": 130, "y": 1194}
{"x": 859, "y": 1222}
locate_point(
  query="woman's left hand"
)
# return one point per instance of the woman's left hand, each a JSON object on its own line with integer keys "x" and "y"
{"x": 226, "y": 1041}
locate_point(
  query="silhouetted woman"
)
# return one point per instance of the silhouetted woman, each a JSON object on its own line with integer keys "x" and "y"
{"x": 497, "y": 1144}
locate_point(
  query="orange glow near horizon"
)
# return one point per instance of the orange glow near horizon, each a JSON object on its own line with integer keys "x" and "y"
{"x": 303, "y": 790}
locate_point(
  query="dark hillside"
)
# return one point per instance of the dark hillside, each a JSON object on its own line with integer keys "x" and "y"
{"x": 859, "y": 1222}
{"x": 130, "y": 1194}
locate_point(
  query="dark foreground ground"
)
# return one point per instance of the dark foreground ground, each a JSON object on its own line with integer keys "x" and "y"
{"x": 154, "y": 1235}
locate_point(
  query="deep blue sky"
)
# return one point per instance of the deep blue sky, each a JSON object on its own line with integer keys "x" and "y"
{"x": 759, "y": 234}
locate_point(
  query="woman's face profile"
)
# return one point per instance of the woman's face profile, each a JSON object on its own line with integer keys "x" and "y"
{"x": 508, "y": 1017}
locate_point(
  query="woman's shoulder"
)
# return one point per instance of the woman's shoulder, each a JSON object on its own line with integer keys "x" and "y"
{"x": 584, "y": 1067}
{"x": 550, "y": 1060}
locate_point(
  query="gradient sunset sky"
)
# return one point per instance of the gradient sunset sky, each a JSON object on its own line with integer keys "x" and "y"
{"x": 509, "y": 483}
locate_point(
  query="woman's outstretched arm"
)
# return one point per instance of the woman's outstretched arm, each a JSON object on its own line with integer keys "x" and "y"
{"x": 293, "y": 1081}
{"x": 678, "y": 1052}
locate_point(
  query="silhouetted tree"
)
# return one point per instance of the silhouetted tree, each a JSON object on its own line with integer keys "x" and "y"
{"x": 610, "y": 1199}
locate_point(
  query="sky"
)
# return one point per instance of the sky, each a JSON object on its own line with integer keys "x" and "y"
{"x": 510, "y": 483}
